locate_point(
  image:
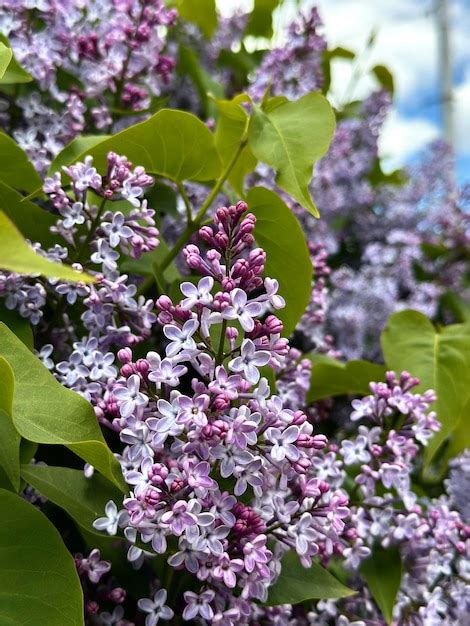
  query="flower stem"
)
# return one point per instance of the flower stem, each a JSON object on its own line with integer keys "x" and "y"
{"x": 194, "y": 225}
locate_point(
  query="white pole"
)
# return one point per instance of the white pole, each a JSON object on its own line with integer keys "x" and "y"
{"x": 445, "y": 70}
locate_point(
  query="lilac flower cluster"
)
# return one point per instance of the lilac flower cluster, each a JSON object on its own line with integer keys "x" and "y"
{"x": 295, "y": 69}
{"x": 95, "y": 237}
{"x": 93, "y": 62}
{"x": 432, "y": 536}
{"x": 218, "y": 466}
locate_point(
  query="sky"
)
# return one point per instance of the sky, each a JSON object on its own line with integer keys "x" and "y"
{"x": 406, "y": 42}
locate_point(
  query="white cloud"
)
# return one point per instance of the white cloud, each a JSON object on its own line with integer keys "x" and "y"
{"x": 462, "y": 116}
{"x": 402, "y": 137}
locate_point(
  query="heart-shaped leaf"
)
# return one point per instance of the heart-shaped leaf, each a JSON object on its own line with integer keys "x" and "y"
{"x": 290, "y": 137}
{"x": 18, "y": 256}
{"x": 44, "y": 411}
{"x": 333, "y": 378}
{"x": 279, "y": 233}
{"x": 298, "y": 584}
{"x": 16, "y": 170}
{"x": 83, "y": 498}
{"x": 439, "y": 357}
{"x": 9, "y": 437}
{"x": 39, "y": 583}
{"x": 173, "y": 144}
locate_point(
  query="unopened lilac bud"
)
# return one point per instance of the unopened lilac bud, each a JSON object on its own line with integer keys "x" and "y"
{"x": 165, "y": 318}
{"x": 117, "y": 595}
{"x": 350, "y": 534}
{"x": 158, "y": 473}
{"x": 299, "y": 418}
{"x": 221, "y": 402}
{"x": 319, "y": 442}
{"x": 221, "y": 215}
{"x": 273, "y": 325}
{"x": 127, "y": 370}
{"x": 177, "y": 485}
{"x": 302, "y": 465}
{"x": 228, "y": 284}
{"x": 231, "y": 333}
{"x": 91, "y": 607}
{"x": 241, "y": 207}
{"x": 164, "y": 303}
{"x": 125, "y": 355}
{"x": 206, "y": 234}
{"x": 142, "y": 366}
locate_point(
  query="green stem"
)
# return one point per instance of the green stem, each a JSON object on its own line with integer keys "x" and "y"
{"x": 91, "y": 232}
{"x": 220, "y": 353}
{"x": 187, "y": 203}
{"x": 194, "y": 225}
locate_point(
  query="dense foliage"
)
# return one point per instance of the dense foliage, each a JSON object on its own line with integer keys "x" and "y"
{"x": 198, "y": 254}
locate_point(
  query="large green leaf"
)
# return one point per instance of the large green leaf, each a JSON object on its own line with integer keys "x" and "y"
{"x": 333, "y": 378}
{"x": 279, "y": 233}
{"x": 19, "y": 325}
{"x": 382, "y": 573}
{"x": 76, "y": 148}
{"x": 44, "y": 411}
{"x": 33, "y": 222}
{"x": 9, "y": 437}
{"x": 39, "y": 583}
{"x": 11, "y": 71}
{"x": 18, "y": 256}
{"x": 439, "y": 357}
{"x": 232, "y": 127}
{"x": 203, "y": 13}
{"x": 15, "y": 168}
{"x": 290, "y": 137}
{"x": 83, "y": 498}
{"x": 174, "y": 144}
{"x": 297, "y": 584}
{"x": 5, "y": 57}
{"x": 260, "y": 23}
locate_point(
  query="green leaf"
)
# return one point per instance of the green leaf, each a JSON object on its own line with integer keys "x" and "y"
{"x": 382, "y": 573}
{"x": 44, "y": 411}
{"x": 298, "y": 584}
{"x": 33, "y": 222}
{"x": 17, "y": 324}
{"x": 173, "y": 144}
{"x": 333, "y": 378}
{"x": 203, "y": 13}
{"x": 9, "y": 437}
{"x": 18, "y": 256}
{"x": 290, "y": 138}
{"x": 385, "y": 77}
{"x": 279, "y": 233}
{"x": 232, "y": 127}
{"x": 15, "y": 168}
{"x": 83, "y": 498}
{"x": 189, "y": 65}
{"x": 75, "y": 149}
{"x": 439, "y": 357}
{"x": 39, "y": 583}
{"x": 260, "y": 23}
{"x": 11, "y": 72}
{"x": 5, "y": 57}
